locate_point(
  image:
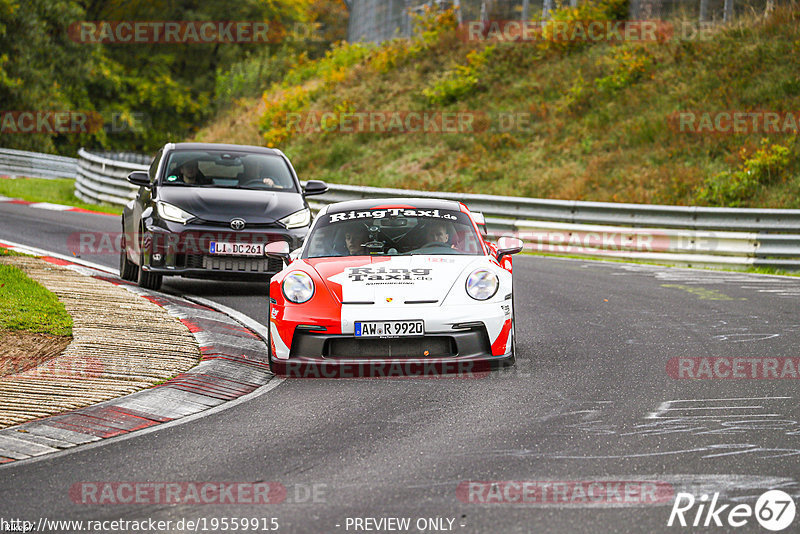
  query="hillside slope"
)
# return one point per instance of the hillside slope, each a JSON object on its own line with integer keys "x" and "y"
{"x": 601, "y": 120}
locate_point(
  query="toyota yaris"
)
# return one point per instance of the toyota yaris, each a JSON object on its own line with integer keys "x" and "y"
{"x": 387, "y": 285}
{"x": 208, "y": 210}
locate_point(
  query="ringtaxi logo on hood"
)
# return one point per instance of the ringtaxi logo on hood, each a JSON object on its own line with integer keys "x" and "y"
{"x": 360, "y": 274}
{"x": 391, "y": 212}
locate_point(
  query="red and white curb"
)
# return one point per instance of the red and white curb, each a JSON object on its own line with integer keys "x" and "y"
{"x": 233, "y": 367}
{"x": 51, "y": 207}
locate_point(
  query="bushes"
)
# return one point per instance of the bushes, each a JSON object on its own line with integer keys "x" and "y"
{"x": 628, "y": 64}
{"x": 459, "y": 81}
{"x": 564, "y": 22}
{"x": 274, "y": 122}
{"x": 303, "y": 83}
{"x": 341, "y": 57}
{"x": 767, "y": 165}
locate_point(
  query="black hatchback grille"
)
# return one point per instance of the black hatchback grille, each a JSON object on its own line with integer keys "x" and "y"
{"x": 233, "y": 264}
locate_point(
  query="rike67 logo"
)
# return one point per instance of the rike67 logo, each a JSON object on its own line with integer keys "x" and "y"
{"x": 774, "y": 510}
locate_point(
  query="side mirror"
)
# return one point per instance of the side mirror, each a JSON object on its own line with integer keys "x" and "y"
{"x": 508, "y": 245}
{"x": 140, "y": 178}
{"x": 315, "y": 187}
{"x": 278, "y": 249}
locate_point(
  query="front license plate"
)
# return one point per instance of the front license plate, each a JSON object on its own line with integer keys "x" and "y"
{"x": 236, "y": 249}
{"x": 389, "y": 328}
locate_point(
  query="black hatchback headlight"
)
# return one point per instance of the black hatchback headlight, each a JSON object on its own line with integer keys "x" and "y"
{"x": 170, "y": 212}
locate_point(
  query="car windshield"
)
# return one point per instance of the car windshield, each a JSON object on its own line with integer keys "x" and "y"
{"x": 392, "y": 231}
{"x": 223, "y": 169}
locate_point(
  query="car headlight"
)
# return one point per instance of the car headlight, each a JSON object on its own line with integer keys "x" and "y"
{"x": 482, "y": 284}
{"x": 297, "y": 219}
{"x": 298, "y": 287}
{"x": 172, "y": 213}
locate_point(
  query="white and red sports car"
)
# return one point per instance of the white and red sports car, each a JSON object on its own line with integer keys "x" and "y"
{"x": 394, "y": 284}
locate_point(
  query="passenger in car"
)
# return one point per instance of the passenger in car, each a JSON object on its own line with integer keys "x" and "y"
{"x": 354, "y": 239}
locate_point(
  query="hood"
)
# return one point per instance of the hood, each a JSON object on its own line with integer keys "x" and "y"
{"x": 222, "y": 205}
{"x": 404, "y": 279}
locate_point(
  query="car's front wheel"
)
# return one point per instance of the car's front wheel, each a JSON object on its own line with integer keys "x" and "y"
{"x": 127, "y": 269}
{"x": 146, "y": 279}
{"x": 149, "y": 280}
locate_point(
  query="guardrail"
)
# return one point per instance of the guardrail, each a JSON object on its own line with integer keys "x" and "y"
{"x": 101, "y": 179}
{"x": 35, "y": 165}
{"x": 682, "y": 235}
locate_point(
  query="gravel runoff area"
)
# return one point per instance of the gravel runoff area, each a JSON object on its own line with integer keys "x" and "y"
{"x": 121, "y": 343}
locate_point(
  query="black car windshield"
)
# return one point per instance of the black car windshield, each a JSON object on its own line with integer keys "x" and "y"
{"x": 393, "y": 231}
{"x": 223, "y": 169}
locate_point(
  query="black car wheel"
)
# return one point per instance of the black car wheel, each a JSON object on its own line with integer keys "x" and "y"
{"x": 147, "y": 279}
{"x": 127, "y": 269}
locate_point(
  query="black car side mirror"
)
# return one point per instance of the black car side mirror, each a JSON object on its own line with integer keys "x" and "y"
{"x": 278, "y": 249}
{"x": 140, "y": 178}
{"x": 508, "y": 245}
{"x": 315, "y": 187}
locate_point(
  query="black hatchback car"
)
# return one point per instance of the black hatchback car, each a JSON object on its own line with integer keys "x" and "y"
{"x": 207, "y": 210}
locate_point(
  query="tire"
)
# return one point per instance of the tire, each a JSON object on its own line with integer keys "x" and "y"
{"x": 513, "y": 359}
{"x": 513, "y": 330}
{"x": 149, "y": 280}
{"x": 269, "y": 334}
{"x": 127, "y": 269}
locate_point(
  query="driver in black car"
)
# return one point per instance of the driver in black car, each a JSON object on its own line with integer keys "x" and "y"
{"x": 190, "y": 173}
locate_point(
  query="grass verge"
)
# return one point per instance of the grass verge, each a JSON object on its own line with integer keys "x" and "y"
{"x": 27, "y": 305}
{"x": 55, "y": 191}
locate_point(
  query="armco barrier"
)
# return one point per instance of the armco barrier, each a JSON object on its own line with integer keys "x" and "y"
{"x": 102, "y": 179}
{"x": 35, "y": 165}
{"x": 683, "y": 235}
